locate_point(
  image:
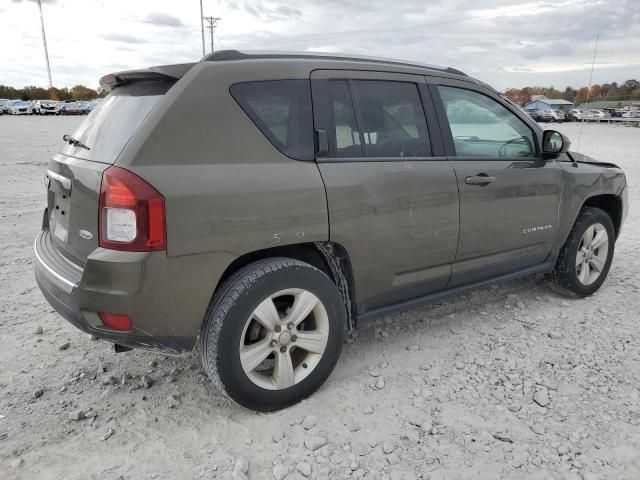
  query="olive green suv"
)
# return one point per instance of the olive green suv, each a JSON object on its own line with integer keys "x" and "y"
{"x": 267, "y": 203}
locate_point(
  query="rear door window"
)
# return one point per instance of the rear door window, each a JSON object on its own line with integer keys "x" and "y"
{"x": 114, "y": 120}
{"x": 391, "y": 118}
{"x": 281, "y": 109}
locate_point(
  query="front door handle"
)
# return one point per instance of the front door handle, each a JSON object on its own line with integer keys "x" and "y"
{"x": 481, "y": 179}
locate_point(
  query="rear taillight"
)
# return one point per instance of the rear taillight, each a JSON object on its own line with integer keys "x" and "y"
{"x": 131, "y": 213}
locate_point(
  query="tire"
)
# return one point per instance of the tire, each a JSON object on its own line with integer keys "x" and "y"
{"x": 231, "y": 317}
{"x": 565, "y": 275}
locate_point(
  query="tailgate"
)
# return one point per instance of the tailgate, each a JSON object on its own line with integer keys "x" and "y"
{"x": 73, "y": 190}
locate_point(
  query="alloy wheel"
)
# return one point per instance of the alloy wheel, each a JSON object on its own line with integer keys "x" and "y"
{"x": 592, "y": 254}
{"x": 284, "y": 339}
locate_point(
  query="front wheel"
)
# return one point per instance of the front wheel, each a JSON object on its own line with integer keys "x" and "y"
{"x": 273, "y": 333}
{"x": 585, "y": 258}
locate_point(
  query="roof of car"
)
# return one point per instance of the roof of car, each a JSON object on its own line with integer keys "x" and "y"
{"x": 176, "y": 71}
{"x": 230, "y": 55}
{"x": 550, "y": 101}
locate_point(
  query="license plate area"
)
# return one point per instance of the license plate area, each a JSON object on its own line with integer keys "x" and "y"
{"x": 59, "y": 209}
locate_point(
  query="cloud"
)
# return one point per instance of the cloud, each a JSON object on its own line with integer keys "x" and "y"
{"x": 162, "y": 19}
{"x": 506, "y": 43}
{"x": 122, "y": 37}
{"x": 268, "y": 13}
{"x": 36, "y": 1}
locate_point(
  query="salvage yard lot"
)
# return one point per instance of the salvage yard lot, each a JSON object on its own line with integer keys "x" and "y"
{"x": 506, "y": 382}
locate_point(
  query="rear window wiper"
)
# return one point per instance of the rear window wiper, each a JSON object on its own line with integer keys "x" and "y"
{"x": 73, "y": 141}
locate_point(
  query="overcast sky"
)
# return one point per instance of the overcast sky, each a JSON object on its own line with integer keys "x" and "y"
{"x": 505, "y": 43}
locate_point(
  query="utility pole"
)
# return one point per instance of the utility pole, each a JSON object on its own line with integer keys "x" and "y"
{"x": 202, "y": 26}
{"x": 212, "y": 21}
{"x": 44, "y": 41}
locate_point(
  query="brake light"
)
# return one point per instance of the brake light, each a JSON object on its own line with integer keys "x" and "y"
{"x": 131, "y": 213}
{"x": 115, "y": 321}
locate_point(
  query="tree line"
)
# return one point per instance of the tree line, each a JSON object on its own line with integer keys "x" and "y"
{"x": 79, "y": 92}
{"x": 629, "y": 90}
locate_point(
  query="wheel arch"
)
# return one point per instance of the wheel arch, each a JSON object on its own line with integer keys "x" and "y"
{"x": 609, "y": 203}
{"x": 329, "y": 257}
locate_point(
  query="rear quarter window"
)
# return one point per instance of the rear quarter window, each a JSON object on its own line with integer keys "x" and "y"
{"x": 281, "y": 109}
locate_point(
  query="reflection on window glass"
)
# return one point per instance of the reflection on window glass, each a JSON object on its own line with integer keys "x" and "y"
{"x": 393, "y": 121}
{"x": 482, "y": 127}
{"x": 347, "y": 136}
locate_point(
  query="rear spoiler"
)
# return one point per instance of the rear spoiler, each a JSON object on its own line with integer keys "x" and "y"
{"x": 163, "y": 72}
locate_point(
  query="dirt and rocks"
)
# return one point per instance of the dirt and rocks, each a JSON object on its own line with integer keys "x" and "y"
{"x": 509, "y": 382}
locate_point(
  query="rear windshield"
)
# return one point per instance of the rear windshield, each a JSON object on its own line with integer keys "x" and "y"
{"x": 113, "y": 121}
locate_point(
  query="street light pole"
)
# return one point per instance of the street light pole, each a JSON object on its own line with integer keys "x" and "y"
{"x": 202, "y": 26}
{"x": 44, "y": 41}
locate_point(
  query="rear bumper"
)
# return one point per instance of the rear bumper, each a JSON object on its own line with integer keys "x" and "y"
{"x": 117, "y": 282}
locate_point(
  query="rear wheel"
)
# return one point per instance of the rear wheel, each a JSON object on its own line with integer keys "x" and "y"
{"x": 585, "y": 258}
{"x": 273, "y": 333}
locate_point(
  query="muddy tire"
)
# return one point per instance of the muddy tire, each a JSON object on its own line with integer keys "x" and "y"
{"x": 273, "y": 333}
{"x": 585, "y": 258}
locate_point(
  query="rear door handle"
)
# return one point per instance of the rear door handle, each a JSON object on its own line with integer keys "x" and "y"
{"x": 480, "y": 179}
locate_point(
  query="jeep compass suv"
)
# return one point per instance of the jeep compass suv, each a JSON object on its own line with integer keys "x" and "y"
{"x": 264, "y": 204}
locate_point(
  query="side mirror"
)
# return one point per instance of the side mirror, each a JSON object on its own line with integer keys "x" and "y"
{"x": 554, "y": 143}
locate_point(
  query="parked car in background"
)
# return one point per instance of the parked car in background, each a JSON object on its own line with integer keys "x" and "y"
{"x": 612, "y": 112}
{"x": 90, "y": 105}
{"x": 87, "y": 107}
{"x": 576, "y": 114}
{"x": 595, "y": 114}
{"x": 539, "y": 115}
{"x": 4, "y": 103}
{"x": 557, "y": 115}
{"x": 72, "y": 108}
{"x": 18, "y": 107}
{"x": 631, "y": 114}
{"x": 256, "y": 251}
{"x": 46, "y": 107}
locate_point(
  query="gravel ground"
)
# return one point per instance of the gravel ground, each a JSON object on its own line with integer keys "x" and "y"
{"x": 507, "y": 382}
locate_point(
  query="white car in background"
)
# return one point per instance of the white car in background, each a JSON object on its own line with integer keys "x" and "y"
{"x": 4, "y": 104}
{"x": 46, "y": 107}
{"x": 577, "y": 114}
{"x": 595, "y": 114}
{"x": 18, "y": 107}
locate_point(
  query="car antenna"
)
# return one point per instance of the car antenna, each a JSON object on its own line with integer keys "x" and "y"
{"x": 588, "y": 92}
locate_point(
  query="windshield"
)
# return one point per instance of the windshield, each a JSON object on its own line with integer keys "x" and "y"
{"x": 113, "y": 121}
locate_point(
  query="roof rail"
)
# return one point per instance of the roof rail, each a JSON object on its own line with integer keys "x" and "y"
{"x": 226, "y": 55}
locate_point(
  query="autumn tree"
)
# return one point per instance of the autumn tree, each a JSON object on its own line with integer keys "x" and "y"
{"x": 80, "y": 92}
{"x": 582, "y": 95}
